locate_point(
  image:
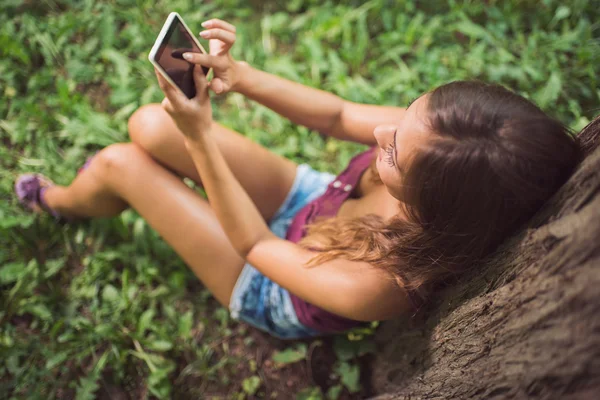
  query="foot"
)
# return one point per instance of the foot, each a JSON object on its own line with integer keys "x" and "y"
{"x": 30, "y": 190}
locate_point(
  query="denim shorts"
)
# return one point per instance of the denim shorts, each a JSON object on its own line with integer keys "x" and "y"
{"x": 256, "y": 299}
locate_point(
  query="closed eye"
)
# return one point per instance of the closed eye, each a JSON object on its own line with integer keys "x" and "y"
{"x": 390, "y": 153}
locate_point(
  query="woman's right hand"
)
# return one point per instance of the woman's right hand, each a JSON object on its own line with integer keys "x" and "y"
{"x": 221, "y": 37}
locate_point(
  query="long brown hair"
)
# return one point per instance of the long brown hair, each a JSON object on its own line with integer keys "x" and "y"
{"x": 494, "y": 159}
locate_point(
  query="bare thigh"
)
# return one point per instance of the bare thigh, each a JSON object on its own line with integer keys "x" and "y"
{"x": 266, "y": 177}
{"x": 182, "y": 217}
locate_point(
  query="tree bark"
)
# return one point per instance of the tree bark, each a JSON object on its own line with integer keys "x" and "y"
{"x": 526, "y": 324}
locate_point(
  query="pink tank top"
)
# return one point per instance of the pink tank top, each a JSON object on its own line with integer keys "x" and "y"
{"x": 327, "y": 206}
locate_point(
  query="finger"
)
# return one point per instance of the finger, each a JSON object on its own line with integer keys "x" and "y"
{"x": 169, "y": 90}
{"x": 218, "y": 23}
{"x": 164, "y": 85}
{"x": 166, "y": 105}
{"x": 202, "y": 59}
{"x": 225, "y": 36}
{"x": 201, "y": 84}
{"x": 217, "y": 85}
{"x": 216, "y": 47}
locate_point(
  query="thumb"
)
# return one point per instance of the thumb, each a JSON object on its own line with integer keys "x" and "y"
{"x": 201, "y": 84}
{"x": 166, "y": 105}
{"x": 217, "y": 85}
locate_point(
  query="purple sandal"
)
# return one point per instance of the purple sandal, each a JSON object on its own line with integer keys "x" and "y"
{"x": 30, "y": 190}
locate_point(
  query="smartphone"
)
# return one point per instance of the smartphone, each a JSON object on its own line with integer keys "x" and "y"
{"x": 174, "y": 39}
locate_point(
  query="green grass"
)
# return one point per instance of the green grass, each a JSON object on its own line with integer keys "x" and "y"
{"x": 106, "y": 305}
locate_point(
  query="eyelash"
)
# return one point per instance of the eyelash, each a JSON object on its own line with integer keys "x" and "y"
{"x": 390, "y": 155}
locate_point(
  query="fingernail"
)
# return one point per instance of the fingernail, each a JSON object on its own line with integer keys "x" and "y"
{"x": 204, "y": 34}
{"x": 187, "y": 56}
{"x": 205, "y": 24}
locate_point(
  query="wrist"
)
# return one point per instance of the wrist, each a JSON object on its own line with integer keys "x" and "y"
{"x": 197, "y": 141}
{"x": 242, "y": 72}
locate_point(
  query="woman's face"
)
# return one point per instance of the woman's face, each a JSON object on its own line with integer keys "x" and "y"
{"x": 397, "y": 142}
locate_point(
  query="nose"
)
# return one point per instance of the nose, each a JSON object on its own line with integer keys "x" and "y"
{"x": 384, "y": 135}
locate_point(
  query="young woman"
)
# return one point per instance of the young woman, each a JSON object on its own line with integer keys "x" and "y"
{"x": 301, "y": 253}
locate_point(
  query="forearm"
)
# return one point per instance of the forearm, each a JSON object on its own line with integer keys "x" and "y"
{"x": 239, "y": 217}
{"x": 313, "y": 108}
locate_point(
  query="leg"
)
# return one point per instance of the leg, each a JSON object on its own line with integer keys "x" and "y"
{"x": 266, "y": 177}
{"x": 124, "y": 174}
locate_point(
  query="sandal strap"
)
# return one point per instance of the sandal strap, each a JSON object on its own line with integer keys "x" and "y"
{"x": 29, "y": 190}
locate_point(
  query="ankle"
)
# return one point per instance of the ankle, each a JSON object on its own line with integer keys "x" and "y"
{"x": 53, "y": 198}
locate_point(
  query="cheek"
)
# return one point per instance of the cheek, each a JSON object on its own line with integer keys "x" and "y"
{"x": 389, "y": 177}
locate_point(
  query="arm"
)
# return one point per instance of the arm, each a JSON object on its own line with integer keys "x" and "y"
{"x": 347, "y": 288}
{"x": 313, "y": 108}
{"x": 350, "y": 289}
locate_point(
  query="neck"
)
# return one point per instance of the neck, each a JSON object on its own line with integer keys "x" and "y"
{"x": 391, "y": 207}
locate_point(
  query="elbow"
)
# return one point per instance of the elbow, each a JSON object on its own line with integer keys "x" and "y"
{"x": 335, "y": 124}
{"x": 247, "y": 245}
{"x": 243, "y": 249}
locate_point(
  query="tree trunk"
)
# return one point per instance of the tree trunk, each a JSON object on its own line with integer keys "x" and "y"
{"x": 526, "y": 324}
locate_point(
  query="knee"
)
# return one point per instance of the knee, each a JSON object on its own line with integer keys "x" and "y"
{"x": 117, "y": 158}
{"x": 147, "y": 127}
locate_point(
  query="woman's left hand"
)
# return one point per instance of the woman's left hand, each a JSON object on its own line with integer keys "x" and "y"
{"x": 192, "y": 116}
